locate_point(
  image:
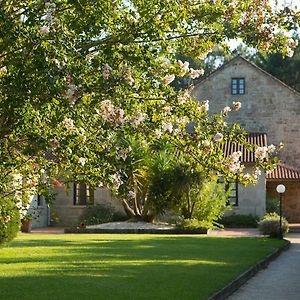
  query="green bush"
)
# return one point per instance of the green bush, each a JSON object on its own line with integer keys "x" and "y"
{"x": 270, "y": 225}
{"x": 272, "y": 204}
{"x": 98, "y": 214}
{"x": 9, "y": 220}
{"x": 194, "y": 224}
{"x": 239, "y": 221}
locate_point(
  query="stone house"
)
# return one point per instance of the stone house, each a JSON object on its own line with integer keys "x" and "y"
{"x": 268, "y": 106}
{"x": 270, "y": 111}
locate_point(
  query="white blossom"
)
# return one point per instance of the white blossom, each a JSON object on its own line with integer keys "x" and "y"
{"x": 226, "y": 110}
{"x": 138, "y": 118}
{"x": 218, "y": 137}
{"x": 204, "y": 107}
{"x": 158, "y": 133}
{"x": 106, "y": 71}
{"x": 261, "y": 152}
{"x": 116, "y": 181}
{"x": 167, "y": 126}
{"x": 71, "y": 91}
{"x": 196, "y": 73}
{"x": 3, "y": 71}
{"x": 271, "y": 149}
{"x": 45, "y": 30}
{"x": 69, "y": 124}
{"x": 81, "y": 161}
{"x": 168, "y": 79}
{"x": 184, "y": 67}
{"x": 236, "y": 105}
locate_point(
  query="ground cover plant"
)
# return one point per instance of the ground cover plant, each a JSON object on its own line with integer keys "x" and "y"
{"x": 124, "y": 266}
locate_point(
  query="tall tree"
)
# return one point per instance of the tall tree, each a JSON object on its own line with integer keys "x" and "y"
{"x": 80, "y": 77}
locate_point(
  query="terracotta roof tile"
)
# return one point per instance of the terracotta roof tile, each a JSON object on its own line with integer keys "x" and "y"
{"x": 282, "y": 172}
{"x": 259, "y": 139}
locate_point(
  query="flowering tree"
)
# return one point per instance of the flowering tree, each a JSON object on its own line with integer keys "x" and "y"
{"x": 81, "y": 79}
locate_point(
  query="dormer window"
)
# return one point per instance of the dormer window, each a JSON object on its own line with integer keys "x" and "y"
{"x": 237, "y": 86}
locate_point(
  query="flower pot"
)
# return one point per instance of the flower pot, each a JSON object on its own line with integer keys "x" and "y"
{"x": 26, "y": 225}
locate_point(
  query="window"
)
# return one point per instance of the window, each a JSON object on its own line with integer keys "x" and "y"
{"x": 83, "y": 194}
{"x": 39, "y": 200}
{"x": 238, "y": 86}
{"x": 232, "y": 187}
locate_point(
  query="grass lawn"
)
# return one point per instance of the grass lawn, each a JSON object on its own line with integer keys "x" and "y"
{"x": 98, "y": 266}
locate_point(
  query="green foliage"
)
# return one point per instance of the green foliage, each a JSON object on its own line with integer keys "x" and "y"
{"x": 9, "y": 220}
{"x": 210, "y": 202}
{"x": 98, "y": 214}
{"x": 239, "y": 221}
{"x": 272, "y": 204}
{"x": 81, "y": 78}
{"x": 195, "y": 224}
{"x": 270, "y": 225}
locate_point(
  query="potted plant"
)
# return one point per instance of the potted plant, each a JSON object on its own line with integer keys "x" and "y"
{"x": 26, "y": 223}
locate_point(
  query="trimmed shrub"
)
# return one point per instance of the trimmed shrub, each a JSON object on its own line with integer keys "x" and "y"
{"x": 239, "y": 221}
{"x": 9, "y": 220}
{"x": 98, "y": 214}
{"x": 194, "y": 224}
{"x": 270, "y": 225}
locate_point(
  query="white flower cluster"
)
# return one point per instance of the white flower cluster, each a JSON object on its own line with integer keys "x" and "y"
{"x": 168, "y": 79}
{"x": 184, "y": 69}
{"x": 196, "y": 73}
{"x": 291, "y": 44}
{"x": 3, "y": 71}
{"x": 116, "y": 181}
{"x": 49, "y": 18}
{"x": 137, "y": 118}
{"x": 69, "y": 124}
{"x": 218, "y": 137}
{"x": 123, "y": 153}
{"x": 204, "y": 106}
{"x": 236, "y": 105}
{"x": 106, "y": 71}
{"x": 264, "y": 152}
{"x": 226, "y": 110}
{"x": 167, "y": 126}
{"x": 82, "y": 161}
{"x": 71, "y": 92}
{"x": 112, "y": 114}
{"x": 234, "y": 162}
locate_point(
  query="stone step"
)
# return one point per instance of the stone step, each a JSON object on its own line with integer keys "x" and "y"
{"x": 294, "y": 229}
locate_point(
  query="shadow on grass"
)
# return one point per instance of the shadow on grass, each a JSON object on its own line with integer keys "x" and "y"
{"x": 106, "y": 267}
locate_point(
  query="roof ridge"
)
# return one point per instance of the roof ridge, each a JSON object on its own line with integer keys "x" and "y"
{"x": 251, "y": 64}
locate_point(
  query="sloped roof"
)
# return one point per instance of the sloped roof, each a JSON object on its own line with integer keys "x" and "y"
{"x": 282, "y": 172}
{"x": 239, "y": 57}
{"x": 254, "y": 138}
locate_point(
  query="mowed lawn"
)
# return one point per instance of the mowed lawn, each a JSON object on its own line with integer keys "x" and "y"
{"x": 98, "y": 266}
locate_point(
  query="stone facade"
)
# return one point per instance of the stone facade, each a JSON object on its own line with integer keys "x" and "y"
{"x": 290, "y": 200}
{"x": 251, "y": 199}
{"x": 68, "y": 213}
{"x": 268, "y": 106}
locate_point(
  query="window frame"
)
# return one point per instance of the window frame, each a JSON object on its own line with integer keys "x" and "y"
{"x": 232, "y": 199}
{"x": 238, "y": 86}
{"x": 81, "y": 189}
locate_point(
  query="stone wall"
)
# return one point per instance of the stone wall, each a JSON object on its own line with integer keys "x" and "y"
{"x": 68, "y": 213}
{"x": 268, "y": 105}
{"x": 290, "y": 200}
{"x": 251, "y": 199}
